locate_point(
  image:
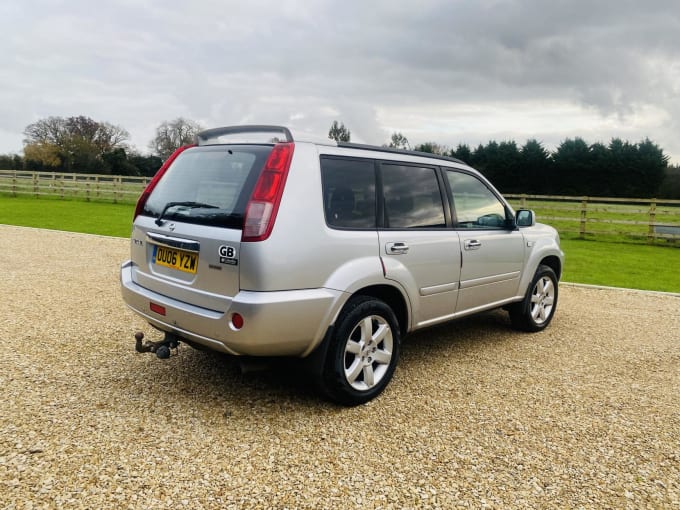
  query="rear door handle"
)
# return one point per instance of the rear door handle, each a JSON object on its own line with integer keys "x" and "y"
{"x": 472, "y": 244}
{"x": 396, "y": 248}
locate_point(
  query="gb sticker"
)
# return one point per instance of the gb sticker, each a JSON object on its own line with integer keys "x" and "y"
{"x": 228, "y": 255}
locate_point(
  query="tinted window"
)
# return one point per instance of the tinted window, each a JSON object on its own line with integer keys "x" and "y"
{"x": 219, "y": 179}
{"x": 474, "y": 204}
{"x": 412, "y": 198}
{"x": 348, "y": 192}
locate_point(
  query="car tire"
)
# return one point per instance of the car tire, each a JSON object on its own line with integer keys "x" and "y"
{"x": 363, "y": 351}
{"x": 536, "y": 310}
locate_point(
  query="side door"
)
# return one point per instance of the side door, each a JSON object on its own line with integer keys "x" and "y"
{"x": 492, "y": 253}
{"x": 416, "y": 247}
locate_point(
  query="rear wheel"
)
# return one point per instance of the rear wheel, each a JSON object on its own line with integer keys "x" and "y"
{"x": 535, "y": 312}
{"x": 363, "y": 352}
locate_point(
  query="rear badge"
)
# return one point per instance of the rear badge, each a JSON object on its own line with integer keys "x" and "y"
{"x": 228, "y": 255}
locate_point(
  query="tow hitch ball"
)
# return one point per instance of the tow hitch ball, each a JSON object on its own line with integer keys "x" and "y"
{"x": 162, "y": 348}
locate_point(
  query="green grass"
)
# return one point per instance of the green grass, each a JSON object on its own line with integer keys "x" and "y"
{"x": 633, "y": 266}
{"x": 69, "y": 215}
{"x": 627, "y": 265}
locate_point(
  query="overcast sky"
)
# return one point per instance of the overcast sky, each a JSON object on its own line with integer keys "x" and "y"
{"x": 451, "y": 72}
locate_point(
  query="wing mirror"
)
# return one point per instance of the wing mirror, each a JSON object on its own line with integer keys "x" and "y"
{"x": 525, "y": 218}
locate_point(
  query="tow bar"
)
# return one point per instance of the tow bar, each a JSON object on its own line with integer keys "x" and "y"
{"x": 162, "y": 348}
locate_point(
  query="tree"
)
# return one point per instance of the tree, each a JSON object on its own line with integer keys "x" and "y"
{"x": 482, "y": 156}
{"x": 603, "y": 180}
{"x": 432, "y": 148}
{"x": 504, "y": 166}
{"x": 51, "y": 130}
{"x": 571, "y": 168}
{"x": 652, "y": 165}
{"x": 73, "y": 144}
{"x": 399, "y": 141}
{"x": 462, "y": 152}
{"x": 670, "y": 186}
{"x": 171, "y": 135}
{"x": 535, "y": 166}
{"x": 11, "y": 162}
{"x": 339, "y": 132}
{"x": 147, "y": 164}
{"x": 42, "y": 156}
{"x": 117, "y": 163}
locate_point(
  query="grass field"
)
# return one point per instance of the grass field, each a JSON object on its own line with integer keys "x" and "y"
{"x": 636, "y": 266}
{"x": 69, "y": 215}
{"x": 633, "y": 266}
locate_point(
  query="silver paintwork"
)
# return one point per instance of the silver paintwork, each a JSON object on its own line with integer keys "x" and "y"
{"x": 291, "y": 287}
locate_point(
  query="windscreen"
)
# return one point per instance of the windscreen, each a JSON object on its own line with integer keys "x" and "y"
{"x": 209, "y": 185}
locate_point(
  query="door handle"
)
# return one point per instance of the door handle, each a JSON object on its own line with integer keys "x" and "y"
{"x": 396, "y": 248}
{"x": 472, "y": 244}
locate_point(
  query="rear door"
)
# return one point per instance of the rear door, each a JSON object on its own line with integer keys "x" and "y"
{"x": 492, "y": 254}
{"x": 186, "y": 242}
{"x": 417, "y": 248}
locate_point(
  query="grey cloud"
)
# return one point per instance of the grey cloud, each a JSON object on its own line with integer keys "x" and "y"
{"x": 138, "y": 63}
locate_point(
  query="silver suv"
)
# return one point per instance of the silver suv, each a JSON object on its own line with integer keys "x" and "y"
{"x": 255, "y": 243}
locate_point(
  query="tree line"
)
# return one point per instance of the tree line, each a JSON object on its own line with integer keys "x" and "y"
{"x": 619, "y": 169}
{"x": 83, "y": 145}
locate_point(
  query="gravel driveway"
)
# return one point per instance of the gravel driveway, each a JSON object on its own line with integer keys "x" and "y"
{"x": 585, "y": 414}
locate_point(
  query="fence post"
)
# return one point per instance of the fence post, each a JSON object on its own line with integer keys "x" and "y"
{"x": 651, "y": 236}
{"x": 87, "y": 190}
{"x": 523, "y": 201}
{"x": 584, "y": 209}
{"x": 36, "y": 184}
{"x": 14, "y": 184}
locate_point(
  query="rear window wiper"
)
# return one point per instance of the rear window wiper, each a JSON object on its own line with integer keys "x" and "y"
{"x": 193, "y": 205}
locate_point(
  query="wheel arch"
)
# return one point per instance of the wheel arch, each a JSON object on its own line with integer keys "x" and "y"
{"x": 393, "y": 298}
{"x": 553, "y": 262}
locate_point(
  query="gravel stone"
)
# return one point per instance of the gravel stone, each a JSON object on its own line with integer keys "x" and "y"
{"x": 585, "y": 414}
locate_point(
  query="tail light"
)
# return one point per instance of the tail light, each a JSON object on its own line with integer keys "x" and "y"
{"x": 264, "y": 202}
{"x": 152, "y": 184}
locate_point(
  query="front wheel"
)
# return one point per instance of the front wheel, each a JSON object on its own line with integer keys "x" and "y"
{"x": 363, "y": 352}
{"x": 536, "y": 310}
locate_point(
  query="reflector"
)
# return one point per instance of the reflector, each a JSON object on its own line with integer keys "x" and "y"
{"x": 237, "y": 321}
{"x": 160, "y": 310}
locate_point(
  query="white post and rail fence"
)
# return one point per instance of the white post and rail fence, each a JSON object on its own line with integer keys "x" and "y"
{"x": 646, "y": 219}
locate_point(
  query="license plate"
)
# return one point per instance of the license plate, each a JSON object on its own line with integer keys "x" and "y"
{"x": 175, "y": 259}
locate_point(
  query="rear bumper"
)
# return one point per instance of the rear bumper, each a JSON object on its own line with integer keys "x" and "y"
{"x": 283, "y": 323}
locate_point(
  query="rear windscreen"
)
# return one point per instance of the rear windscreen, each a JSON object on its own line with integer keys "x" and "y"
{"x": 210, "y": 185}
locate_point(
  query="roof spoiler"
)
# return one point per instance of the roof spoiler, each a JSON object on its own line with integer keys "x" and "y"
{"x": 275, "y": 134}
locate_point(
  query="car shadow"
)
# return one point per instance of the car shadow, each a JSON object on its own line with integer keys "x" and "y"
{"x": 212, "y": 378}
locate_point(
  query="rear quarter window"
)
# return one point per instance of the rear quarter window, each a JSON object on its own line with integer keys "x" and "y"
{"x": 349, "y": 192}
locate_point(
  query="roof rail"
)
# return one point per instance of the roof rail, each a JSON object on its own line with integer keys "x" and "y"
{"x": 213, "y": 135}
{"x": 399, "y": 151}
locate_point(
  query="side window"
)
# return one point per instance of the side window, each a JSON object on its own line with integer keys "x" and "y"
{"x": 412, "y": 197}
{"x": 474, "y": 204}
{"x": 348, "y": 192}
